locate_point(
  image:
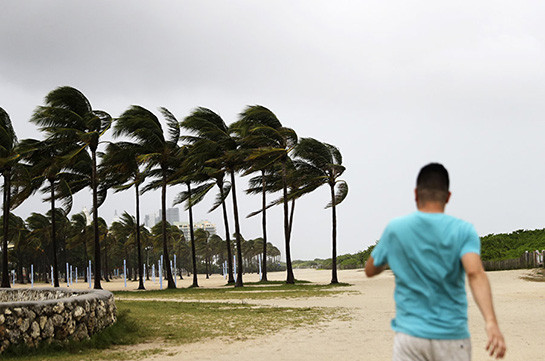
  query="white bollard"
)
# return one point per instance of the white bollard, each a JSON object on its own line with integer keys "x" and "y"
{"x": 174, "y": 272}
{"x": 13, "y": 276}
{"x": 32, "y": 275}
{"x": 51, "y": 276}
{"x": 76, "y": 275}
{"x": 235, "y": 267}
{"x": 259, "y": 260}
{"x": 67, "y": 276}
{"x": 161, "y": 273}
{"x": 125, "y": 272}
{"x": 153, "y": 273}
{"x": 144, "y": 275}
{"x": 71, "y": 276}
{"x": 90, "y": 274}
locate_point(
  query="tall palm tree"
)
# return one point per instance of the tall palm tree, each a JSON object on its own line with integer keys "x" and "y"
{"x": 218, "y": 150}
{"x": 191, "y": 171}
{"x": 68, "y": 118}
{"x": 204, "y": 248}
{"x": 8, "y": 157}
{"x": 260, "y": 126}
{"x": 80, "y": 234}
{"x": 120, "y": 169}
{"x": 158, "y": 153}
{"x": 325, "y": 160}
{"x": 57, "y": 177}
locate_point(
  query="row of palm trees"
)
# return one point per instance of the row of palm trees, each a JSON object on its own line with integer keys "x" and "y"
{"x": 145, "y": 156}
{"x": 31, "y": 245}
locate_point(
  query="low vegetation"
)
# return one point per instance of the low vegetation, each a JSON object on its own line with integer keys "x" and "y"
{"x": 494, "y": 247}
{"x": 511, "y": 245}
{"x": 250, "y": 292}
{"x": 156, "y": 320}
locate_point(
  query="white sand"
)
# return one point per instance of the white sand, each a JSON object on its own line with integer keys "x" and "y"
{"x": 520, "y": 306}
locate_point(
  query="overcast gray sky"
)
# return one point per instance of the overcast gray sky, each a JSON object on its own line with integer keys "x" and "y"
{"x": 393, "y": 84}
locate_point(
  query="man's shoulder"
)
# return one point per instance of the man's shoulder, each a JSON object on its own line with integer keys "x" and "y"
{"x": 437, "y": 218}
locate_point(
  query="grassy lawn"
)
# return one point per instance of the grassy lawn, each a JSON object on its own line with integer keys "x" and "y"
{"x": 253, "y": 291}
{"x": 168, "y": 323}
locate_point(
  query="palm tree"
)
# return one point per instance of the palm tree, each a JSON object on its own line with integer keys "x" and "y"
{"x": 259, "y": 126}
{"x": 203, "y": 247}
{"x": 68, "y": 118}
{"x": 325, "y": 161}
{"x": 158, "y": 153}
{"x": 80, "y": 234}
{"x": 60, "y": 178}
{"x": 213, "y": 144}
{"x": 120, "y": 169}
{"x": 8, "y": 157}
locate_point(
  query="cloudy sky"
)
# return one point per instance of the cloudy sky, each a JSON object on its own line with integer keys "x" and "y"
{"x": 393, "y": 84}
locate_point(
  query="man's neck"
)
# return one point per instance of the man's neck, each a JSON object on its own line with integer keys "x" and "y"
{"x": 431, "y": 207}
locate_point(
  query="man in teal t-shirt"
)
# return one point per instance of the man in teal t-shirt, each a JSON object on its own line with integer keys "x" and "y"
{"x": 430, "y": 253}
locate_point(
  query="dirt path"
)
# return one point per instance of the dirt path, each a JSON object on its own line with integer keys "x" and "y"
{"x": 366, "y": 334}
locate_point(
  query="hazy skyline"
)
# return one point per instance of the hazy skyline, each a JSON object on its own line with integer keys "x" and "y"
{"x": 394, "y": 85}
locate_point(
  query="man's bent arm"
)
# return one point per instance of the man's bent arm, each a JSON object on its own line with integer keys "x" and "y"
{"x": 370, "y": 268}
{"x": 480, "y": 288}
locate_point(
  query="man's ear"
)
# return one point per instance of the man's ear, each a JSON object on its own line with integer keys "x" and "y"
{"x": 448, "y": 197}
{"x": 416, "y": 195}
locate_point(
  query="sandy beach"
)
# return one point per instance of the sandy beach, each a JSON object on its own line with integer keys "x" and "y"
{"x": 366, "y": 334}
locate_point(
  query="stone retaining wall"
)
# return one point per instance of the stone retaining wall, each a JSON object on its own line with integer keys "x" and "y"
{"x": 45, "y": 314}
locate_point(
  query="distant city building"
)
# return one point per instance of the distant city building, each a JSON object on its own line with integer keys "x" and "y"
{"x": 87, "y": 216}
{"x": 206, "y": 225}
{"x": 149, "y": 220}
{"x": 116, "y": 217}
{"x": 173, "y": 215}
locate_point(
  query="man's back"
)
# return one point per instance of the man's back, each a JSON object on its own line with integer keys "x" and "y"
{"x": 424, "y": 252}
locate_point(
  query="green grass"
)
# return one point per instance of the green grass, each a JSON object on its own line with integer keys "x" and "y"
{"x": 174, "y": 323}
{"x": 256, "y": 291}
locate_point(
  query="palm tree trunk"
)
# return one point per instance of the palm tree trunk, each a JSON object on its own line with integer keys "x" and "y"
{"x": 192, "y": 238}
{"x": 164, "y": 225}
{"x": 290, "y": 279}
{"x": 334, "y": 279}
{"x": 54, "y": 236}
{"x": 227, "y": 236}
{"x": 292, "y": 211}
{"x": 239, "y": 282}
{"x": 5, "y": 275}
{"x": 140, "y": 269}
{"x": 264, "y": 225}
{"x": 85, "y": 255}
{"x": 98, "y": 264}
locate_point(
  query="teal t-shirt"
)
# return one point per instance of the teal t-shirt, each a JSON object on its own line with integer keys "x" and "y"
{"x": 424, "y": 251}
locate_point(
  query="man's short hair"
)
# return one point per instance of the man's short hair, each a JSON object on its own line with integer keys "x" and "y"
{"x": 432, "y": 183}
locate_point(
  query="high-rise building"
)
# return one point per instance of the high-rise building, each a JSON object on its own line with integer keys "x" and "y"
{"x": 149, "y": 220}
{"x": 173, "y": 215}
{"x": 206, "y": 225}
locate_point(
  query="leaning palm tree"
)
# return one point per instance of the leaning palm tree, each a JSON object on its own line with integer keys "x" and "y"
{"x": 8, "y": 157}
{"x": 68, "y": 118}
{"x": 57, "y": 178}
{"x": 258, "y": 125}
{"x": 80, "y": 234}
{"x": 213, "y": 146}
{"x": 158, "y": 153}
{"x": 325, "y": 160}
{"x": 120, "y": 170}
